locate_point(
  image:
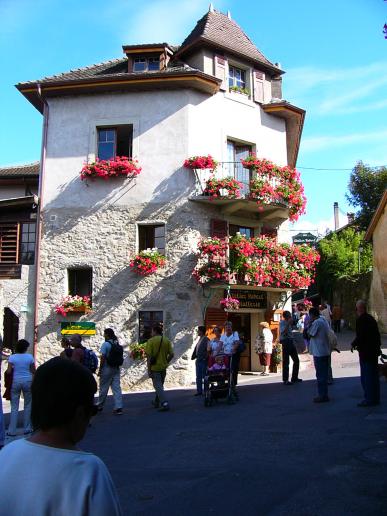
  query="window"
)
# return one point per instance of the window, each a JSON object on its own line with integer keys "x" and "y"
{"x": 144, "y": 64}
{"x": 114, "y": 141}
{"x": 236, "y": 77}
{"x": 236, "y": 152}
{"x": 80, "y": 281}
{"x": 27, "y": 244}
{"x": 150, "y": 236}
{"x": 247, "y": 232}
{"x": 146, "y": 321}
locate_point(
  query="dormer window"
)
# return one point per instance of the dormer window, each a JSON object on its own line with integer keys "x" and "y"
{"x": 146, "y": 64}
{"x": 236, "y": 77}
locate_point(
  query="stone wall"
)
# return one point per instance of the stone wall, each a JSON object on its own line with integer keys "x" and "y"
{"x": 347, "y": 292}
{"x": 378, "y": 296}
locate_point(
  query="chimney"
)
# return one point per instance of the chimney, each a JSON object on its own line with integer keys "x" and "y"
{"x": 211, "y": 8}
{"x": 229, "y": 15}
{"x": 336, "y": 214}
{"x": 350, "y": 217}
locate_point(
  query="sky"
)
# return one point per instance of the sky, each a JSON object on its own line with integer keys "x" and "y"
{"x": 333, "y": 52}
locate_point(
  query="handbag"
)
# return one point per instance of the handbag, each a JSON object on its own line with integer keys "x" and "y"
{"x": 153, "y": 359}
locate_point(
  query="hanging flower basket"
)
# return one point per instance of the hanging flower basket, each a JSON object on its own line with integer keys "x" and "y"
{"x": 137, "y": 352}
{"x": 228, "y": 188}
{"x": 229, "y": 303}
{"x": 147, "y": 262}
{"x": 81, "y": 304}
{"x": 107, "y": 169}
{"x": 201, "y": 162}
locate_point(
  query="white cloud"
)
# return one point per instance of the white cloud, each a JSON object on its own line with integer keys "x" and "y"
{"x": 313, "y": 143}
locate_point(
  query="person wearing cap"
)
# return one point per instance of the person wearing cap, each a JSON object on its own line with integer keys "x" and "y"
{"x": 264, "y": 347}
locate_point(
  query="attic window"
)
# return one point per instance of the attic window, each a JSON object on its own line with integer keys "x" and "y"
{"x": 236, "y": 77}
{"x": 146, "y": 64}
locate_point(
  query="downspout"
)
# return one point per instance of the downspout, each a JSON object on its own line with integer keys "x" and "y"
{"x": 39, "y": 214}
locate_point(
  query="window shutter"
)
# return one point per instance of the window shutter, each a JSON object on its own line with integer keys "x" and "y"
{"x": 219, "y": 228}
{"x": 9, "y": 243}
{"x": 259, "y": 78}
{"x": 220, "y": 70}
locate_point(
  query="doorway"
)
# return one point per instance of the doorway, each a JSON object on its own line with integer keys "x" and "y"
{"x": 242, "y": 324}
{"x": 10, "y": 329}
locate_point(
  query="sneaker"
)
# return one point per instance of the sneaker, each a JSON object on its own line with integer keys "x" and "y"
{"x": 164, "y": 407}
{"x": 118, "y": 411}
{"x": 321, "y": 399}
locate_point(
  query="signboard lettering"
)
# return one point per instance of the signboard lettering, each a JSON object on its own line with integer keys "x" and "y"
{"x": 83, "y": 328}
{"x": 254, "y": 299}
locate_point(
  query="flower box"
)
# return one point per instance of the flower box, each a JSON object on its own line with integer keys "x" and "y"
{"x": 107, "y": 169}
{"x": 239, "y": 89}
{"x": 201, "y": 162}
{"x": 147, "y": 262}
{"x": 227, "y": 187}
{"x": 137, "y": 352}
{"x": 73, "y": 304}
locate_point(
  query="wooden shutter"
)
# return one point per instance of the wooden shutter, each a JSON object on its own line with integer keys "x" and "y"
{"x": 220, "y": 70}
{"x": 258, "y": 78}
{"x": 214, "y": 317}
{"x": 9, "y": 243}
{"x": 219, "y": 228}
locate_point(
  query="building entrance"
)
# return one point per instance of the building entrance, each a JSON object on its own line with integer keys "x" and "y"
{"x": 242, "y": 324}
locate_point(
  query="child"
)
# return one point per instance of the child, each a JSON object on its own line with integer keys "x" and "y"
{"x": 219, "y": 364}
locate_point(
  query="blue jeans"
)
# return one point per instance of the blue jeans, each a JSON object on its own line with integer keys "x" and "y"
{"x": 369, "y": 376}
{"x": 201, "y": 368}
{"x": 321, "y": 365}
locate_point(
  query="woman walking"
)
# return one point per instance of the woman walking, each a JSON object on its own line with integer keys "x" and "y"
{"x": 22, "y": 367}
{"x": 264, "y": 346}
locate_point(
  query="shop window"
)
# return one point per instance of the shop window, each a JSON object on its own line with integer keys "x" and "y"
{"x": 150, "y": 236}
{"x": 147, "y": 320}
{"x": 80, "y": 281}
{"x": 245, "y": 231}
{"x": 114, "y": 141}
{"x": 27, "y": 244}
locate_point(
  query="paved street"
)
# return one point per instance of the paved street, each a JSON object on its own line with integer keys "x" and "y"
{"x": 273, "y": 453}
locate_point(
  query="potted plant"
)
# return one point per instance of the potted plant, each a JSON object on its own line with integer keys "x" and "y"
{"x": 147, "y": 262}
{"x": 137, "y": 352}
{"x": 201, "y": 162}
{"x": 276, "y": 359}
{"x": 229, "y": 303}
{"x": 69, "y": 303}
{"x": 227, "y": 187}
{"x": 120, "y": 166}
{"x": 239, "y": 89}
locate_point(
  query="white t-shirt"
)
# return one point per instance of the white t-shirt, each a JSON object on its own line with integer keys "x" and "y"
{"x": 41, "y": 480}
{"x": 216, "y": 347}
{"x": 228, "y": 342}
{"x": 21, "y": 366}
{"x": 319, "y": 338}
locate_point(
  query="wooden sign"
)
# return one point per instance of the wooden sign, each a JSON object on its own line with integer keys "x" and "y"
{"x": 253, "y": 299}
{"x": 83, "y": 328}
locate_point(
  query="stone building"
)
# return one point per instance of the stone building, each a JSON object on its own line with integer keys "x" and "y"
{"x": 377, "y": 232}
{"x": 18, "y": 210}
{"x": 215, "y": 94}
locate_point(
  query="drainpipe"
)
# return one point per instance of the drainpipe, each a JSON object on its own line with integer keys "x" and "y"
{"x": 39, "y": 214}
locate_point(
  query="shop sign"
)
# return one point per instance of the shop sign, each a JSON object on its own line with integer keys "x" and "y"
{"x": 304, "y": 238}
{"x": 83, "y": 328}
{"x": 253, "y": 299}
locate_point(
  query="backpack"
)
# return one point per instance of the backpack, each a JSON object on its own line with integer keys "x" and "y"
{"x": 115, "y": 357}
{"x": 90, "y": 360}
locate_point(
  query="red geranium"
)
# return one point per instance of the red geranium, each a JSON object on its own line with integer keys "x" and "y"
{"x": 106, "y": 169}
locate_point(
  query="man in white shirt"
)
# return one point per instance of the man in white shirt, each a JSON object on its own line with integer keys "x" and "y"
{"x": 319, "y": 347}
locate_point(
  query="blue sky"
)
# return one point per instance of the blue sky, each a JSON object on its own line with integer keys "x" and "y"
{"x": 333, "y": 51}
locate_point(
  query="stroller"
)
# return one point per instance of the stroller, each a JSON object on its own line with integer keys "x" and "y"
{"x": 218, "y": 383}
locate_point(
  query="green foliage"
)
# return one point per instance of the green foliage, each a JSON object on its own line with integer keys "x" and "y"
{"x": 366, "y": 188}
{"x": 339, "y": 254}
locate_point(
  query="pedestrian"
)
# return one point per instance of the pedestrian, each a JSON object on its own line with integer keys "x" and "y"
{"x": 305, "y": 336}
{"x": 21, "y": 366}
{"x": 368, "y": 344}
{"x": 112, "y": 358}
{"x": 2, "y": 426}
{"x": 333, "y": 347}
{"x": 231, "y": 342}
{"x": 337, "y": 315}
{"x": 264, "y": 347}
{"x": 326, "y": 313}
{"x": 67, "y": 349}
{"x": 288, "y": 350}
{"x": 82, "y": 355}
{"x": 65, "y": 480}
{"x": 215, "y": 346}
{"x": 319, "y": 347}
{"x": 200, "y": 354}
{"x": 159, "y": 353}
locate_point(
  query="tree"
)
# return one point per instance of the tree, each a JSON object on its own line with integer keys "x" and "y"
{"x": 340, "y": 257}
{"x": 366, "y": 187}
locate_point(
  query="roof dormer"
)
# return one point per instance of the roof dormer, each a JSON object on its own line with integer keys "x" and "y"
{"x": 148, "y": 57}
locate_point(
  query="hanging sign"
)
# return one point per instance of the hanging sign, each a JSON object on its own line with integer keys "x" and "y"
{"x": 253, "y": 299}
{"x": 83, "y": 328}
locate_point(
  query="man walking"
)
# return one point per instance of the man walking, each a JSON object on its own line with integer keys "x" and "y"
{"x": 319, "y": 347}
{"x": 112, "y": 359}
{"x": 368, "y": 343}
{"x": 159, "y": 352}
{"x": 200, "y": 354}
{"x": 288, "y": 350}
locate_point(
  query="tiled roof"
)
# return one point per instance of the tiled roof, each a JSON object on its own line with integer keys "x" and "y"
{"x": 30, "y": 170}
{"x": 219, "y": 29}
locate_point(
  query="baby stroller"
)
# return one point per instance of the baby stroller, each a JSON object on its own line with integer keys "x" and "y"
{"x": 218, "y": 380}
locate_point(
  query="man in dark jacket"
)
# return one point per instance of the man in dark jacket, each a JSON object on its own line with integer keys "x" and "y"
{"x": 200, "y": 354}
{"x": 368, "y": 343}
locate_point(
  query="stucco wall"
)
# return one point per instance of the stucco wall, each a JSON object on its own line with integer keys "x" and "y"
{"x": 378, "y": 295}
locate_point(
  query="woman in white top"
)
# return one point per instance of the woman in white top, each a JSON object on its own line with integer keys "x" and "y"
{"x": 215, "y": 346}
{"x": 22, "y": 366}
{"x": 264, "y": 347}
{"x": 57, "y": 477}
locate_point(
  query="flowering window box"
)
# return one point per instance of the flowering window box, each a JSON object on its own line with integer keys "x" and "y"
{"x": 227, "y": 187}
{"x": 147, "y": 262}
{"x": 137, "y": 352}
{"x": 240, "y": 90}
{"x": 73, "y": 304}
{"x": 107, "y": 169}
{"x": 201, "y": 162}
